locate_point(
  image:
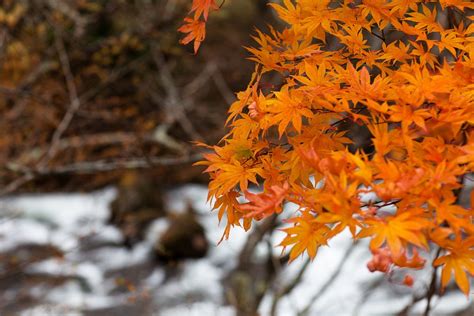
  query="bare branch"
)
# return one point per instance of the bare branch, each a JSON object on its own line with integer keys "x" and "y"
{"x": 73, "y": 98}
{"x": 68, "y": 11}
{"x": 15, "y": 185}
{"x": 91, "y": 167}
{"x": 428, "y": 294}
{"x": 221, "y": 84}
{"x": 200, "y": 80}
{"x": 288, "y": 287}
{"x": 254, "y": 238}
{"x": 330, "y": 281}
{"x": 129, "y": 163}
{"x": 174, "y": 104}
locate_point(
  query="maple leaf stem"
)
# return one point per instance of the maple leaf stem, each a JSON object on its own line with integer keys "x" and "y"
{"x": 334, "y": 124}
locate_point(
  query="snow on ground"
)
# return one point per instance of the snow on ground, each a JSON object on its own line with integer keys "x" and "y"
{"x": 64, "y": 220}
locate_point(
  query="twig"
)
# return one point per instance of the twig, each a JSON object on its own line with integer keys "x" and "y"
{"x": 288, "y": 288}
{"x": 253, "y": 239}
{"x": 330, "y": 281}
{"x": 367, "y": 294}
{"x": 73, "y": 99}
{"x": 200, "y": 80}
{"x": 221, "y": 84}
{"x": 112, "y": 77}
{"x": 243, "y": 291}
{"x": 432, "y": 288}
{"x": 64, "y": 8}
{"x": 22, "y": 91}
{"x": 161, "y": 136}
{"x": 175, "y": 105}
{"x": 13, "y": 186}
{"x": 381, "y": 37}
{"x": 75, "y": 142}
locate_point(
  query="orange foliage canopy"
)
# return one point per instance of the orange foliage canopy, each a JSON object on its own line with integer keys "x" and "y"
{"x": 402, "y": 69}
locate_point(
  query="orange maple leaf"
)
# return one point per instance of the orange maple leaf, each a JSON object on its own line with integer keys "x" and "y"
{"x": 460, "y": 260}
{"x": 396, "y": 231}
{"x": 196, "y": 30}
{"x": 202, "y": 7}
{"x": 306, "y": 235}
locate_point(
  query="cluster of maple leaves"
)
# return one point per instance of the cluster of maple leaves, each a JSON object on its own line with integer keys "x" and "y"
{"x": 403, "y": 69}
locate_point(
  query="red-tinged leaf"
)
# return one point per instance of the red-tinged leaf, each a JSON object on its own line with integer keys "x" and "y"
{"x": 265, "y": 204}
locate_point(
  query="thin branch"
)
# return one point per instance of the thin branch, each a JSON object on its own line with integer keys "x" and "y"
{"x": 199, "y": 81}
{"x": 87, "y": 167}
{"x": 254, "y": 239}
{"x": 381, "y": 37}
{"x": 428, "y": 294}
{"x": 113, "y": 76}
{"x": 175, "y": 104}
{"x": 15, "y": 185}
{"x": 289, "y": 287}
{"x": 330, "y": 281}
{"x": 22, "y": 91}
{"x": 64, "y": 8}
{"x": 91, "y": 140}
{"x": 91, "y": 167}
{"x": 367, "y": 294}
{"x": 222, "y": 86}
{"x": 74, "y": 104}
{"x": 432, "y": 289}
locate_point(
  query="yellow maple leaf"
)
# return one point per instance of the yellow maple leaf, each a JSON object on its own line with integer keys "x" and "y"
{"x": 396, "y": 231}
{"x": 305, "y": 235}
{"x": 460, "y": 261}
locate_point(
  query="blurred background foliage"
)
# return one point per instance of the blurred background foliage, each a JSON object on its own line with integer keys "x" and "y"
{"x": 93, "y": 88}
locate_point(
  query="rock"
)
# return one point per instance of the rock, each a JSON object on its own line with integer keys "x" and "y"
{"x": 184, "y": 238}
{"x": 139, "y": 201}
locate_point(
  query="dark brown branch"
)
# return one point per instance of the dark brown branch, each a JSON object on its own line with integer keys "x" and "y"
{"x": 74, "y": 102}
{"x": 254, "y": 238}
{"x": 428, "y": 294}
{"x": 432, "y": 289}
